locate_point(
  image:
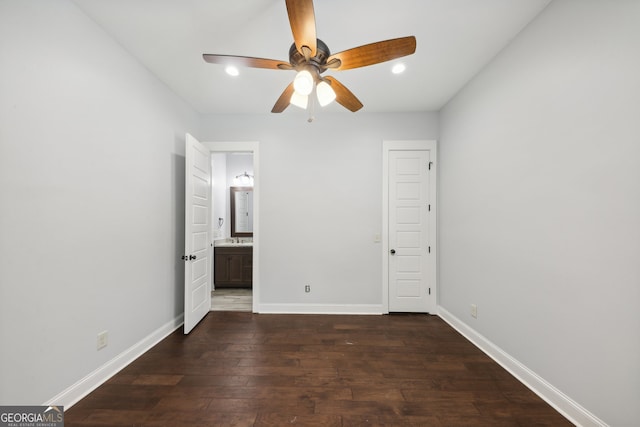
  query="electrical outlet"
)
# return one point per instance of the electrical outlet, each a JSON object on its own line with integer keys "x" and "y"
{"x": 307, "y": 288}
{"x": 103, "y": 339}
{"x": 474, "y": 311}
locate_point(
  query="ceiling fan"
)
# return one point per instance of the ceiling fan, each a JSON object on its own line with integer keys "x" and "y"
{"x": 310, "y": 57}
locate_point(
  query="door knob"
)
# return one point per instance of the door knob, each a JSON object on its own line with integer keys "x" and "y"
{"x": 192, "y": 257}
{"x": 393, "y": 251}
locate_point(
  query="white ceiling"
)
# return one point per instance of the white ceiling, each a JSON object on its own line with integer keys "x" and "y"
{"x": 455, "y": 39}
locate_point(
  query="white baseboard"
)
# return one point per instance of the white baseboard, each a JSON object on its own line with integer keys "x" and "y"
{"x": 320, "y": 309}
{"x": 86, "y": 385}
{"x": 554, "y": 397}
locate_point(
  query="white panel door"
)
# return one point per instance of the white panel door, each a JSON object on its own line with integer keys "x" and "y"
{"x": 197, "y": 246}
{"x": 409, "y": 240}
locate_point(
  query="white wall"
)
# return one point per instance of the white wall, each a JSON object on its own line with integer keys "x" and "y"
{"x": 540, "y": 203}
{"x": 320, "y": 203}
{"x": 219, "y": 196}
{"x": 91, "y": 199}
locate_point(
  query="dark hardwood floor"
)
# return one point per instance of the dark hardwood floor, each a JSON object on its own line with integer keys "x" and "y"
{"x": 243, "y": 369}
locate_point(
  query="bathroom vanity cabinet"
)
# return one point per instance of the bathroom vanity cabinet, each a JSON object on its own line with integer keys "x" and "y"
{"x": 233, "y": 267}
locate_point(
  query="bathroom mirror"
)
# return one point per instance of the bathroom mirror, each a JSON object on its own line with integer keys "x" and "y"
{"x": 241, "y": 203}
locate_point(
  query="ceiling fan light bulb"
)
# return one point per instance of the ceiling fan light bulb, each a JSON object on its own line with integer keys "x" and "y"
{"x": 303, "y": 83}
{"x": 326, "y": 94}
{"x": 299, "y": 100}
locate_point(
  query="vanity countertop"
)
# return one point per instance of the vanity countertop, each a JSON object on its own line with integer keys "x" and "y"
{"x": 232, "y": 244}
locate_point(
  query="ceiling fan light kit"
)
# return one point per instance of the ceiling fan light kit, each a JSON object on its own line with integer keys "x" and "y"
{"x": 326, "y": 95}
{"x": 303, "y": 83}
{"x": 311, "y": 57}
{"x": 299, "y": 100}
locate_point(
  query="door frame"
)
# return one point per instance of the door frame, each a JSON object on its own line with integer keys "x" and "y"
{"x": 254, "y": 148}
{"x": 410, "y": 145}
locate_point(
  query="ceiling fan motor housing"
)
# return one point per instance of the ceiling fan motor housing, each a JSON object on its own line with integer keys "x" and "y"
{"x": 318, "y": 62}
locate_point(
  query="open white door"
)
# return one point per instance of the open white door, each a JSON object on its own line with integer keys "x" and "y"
{"x": 197, "y": 244}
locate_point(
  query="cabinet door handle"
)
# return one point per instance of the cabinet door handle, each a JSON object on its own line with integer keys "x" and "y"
{"x": 393, "y": 251}
{"x": 192, "y": 257}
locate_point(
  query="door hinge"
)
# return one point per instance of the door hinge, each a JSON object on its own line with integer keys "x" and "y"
{"x": 429, "y": 291}
{"x": 429, "y": 249}
{"x": 429, "y": 208}
{"x": 430, "y": 163}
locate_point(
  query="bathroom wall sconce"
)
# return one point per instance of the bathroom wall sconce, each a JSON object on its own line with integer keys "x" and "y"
{"x": 244, "y": 179}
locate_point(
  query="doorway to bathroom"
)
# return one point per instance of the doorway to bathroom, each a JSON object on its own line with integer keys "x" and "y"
{"x": 235, "y": 220}
{"x": 199, "y": 229}
{"x": 232, "y": 195}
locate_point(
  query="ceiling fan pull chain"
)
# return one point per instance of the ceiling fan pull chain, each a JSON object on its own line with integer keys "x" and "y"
{"x": 312, "y": 106}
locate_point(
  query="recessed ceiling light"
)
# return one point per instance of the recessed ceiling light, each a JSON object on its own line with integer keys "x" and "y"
{"x": 398, "y": 68}
{"x": 231, "y": 70}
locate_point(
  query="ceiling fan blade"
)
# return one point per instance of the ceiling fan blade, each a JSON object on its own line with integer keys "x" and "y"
{"x": 283, "y": 102}
{"x": 373, "y": 53}
{"x": 344, "y": 96}
{"x": 303, "y": 26}
{"x": 247, "y": 61}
